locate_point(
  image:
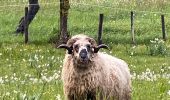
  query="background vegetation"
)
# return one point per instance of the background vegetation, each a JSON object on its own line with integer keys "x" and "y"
{"x": 32, "y": 71}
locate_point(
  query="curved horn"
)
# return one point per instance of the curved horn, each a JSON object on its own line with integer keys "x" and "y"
{"x": 100, "y": 46}
{"x": 69, "y": 49}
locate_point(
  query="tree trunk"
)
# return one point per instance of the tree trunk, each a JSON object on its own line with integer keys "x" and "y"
{"x": 63, "y": 36}
{"x": 33, "y": 9}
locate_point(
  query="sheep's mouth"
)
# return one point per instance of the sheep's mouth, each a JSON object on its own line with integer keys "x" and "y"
{"x": 83, "y": 64}
{"x": 84, "y": 61}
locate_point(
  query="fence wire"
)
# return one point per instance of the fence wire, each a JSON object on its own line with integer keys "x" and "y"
{"x": 72, "y": 3}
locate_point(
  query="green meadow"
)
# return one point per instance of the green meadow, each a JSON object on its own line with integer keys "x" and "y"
{"x": 33, "y": 71}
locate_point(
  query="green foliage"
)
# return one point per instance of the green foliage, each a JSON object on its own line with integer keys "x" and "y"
{"x": 158, "y": 47}
{"x": 54, "y": 36}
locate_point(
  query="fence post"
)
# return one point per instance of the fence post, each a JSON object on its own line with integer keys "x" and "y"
{"x": 26, "y": 25}
{"x": 163, "y": 27}
{"x": 100, "y": 29}
{"x": 132, "y": 27}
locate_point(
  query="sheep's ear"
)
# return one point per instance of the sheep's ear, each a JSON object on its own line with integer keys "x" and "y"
{"x": 69, "y": 49}
{"x": 92, "y": 41}
{"x": 96, "y": 49}
{"x": 70, "y": 42}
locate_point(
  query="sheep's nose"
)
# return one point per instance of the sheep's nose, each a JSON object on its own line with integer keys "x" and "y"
{"x": 83, "y": 53}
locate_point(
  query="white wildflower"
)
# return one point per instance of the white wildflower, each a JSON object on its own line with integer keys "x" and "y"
{"x": 15, "y": 91}
{"x": 58, "y": 97}
{"x": 23, "y": 60}
{"x": 30, "y": 60}
{"x": 168, "y": 92}
{"x": 39, "y": 66}
{"x": 42, "y": 57}
{"x": 6, "y": 76}
{"x": 1, "y": 80}
{"x": 36, "y": 57}
{"x": 156, "y": 39}
{"x": 7, "y": 94}
{"x": 52, "y": 57}
{"x": 24, "y": 96}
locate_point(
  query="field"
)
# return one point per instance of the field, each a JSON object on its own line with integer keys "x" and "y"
{"x": 33, "y": 71}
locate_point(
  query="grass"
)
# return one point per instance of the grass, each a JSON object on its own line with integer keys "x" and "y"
{"x": 33, "y": 71}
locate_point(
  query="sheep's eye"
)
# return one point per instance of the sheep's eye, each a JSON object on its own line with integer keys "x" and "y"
{"x": 76, "y": 47}
{"x": 88, "y": 47}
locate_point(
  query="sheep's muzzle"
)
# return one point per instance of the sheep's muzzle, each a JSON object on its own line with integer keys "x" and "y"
{"x": 83, "y": 55}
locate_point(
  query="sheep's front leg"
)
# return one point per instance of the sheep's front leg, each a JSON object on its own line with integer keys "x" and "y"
{"x": 91, "y": 96}
{"x": 70, "y": 97}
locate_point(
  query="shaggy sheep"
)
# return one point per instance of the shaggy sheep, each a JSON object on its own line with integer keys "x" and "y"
{"x": 89, "y": 75}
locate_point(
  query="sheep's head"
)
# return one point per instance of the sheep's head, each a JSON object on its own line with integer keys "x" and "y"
{"x": 82, "y": 48}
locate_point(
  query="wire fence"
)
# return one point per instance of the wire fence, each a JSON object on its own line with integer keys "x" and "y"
{"x": 84, "y": 17}
{"x": 84, "y": 4}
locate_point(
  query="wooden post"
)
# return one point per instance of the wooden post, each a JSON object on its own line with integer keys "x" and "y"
{"x": 163, "y": 27}
{"x": 132, "y": 27}
{"x": 100, "y": 29}
{"x": 64, "y": 35}
{"x": 26, "y": 25}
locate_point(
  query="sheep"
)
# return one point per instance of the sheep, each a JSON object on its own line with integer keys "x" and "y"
{"x": 88, "y": 74}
